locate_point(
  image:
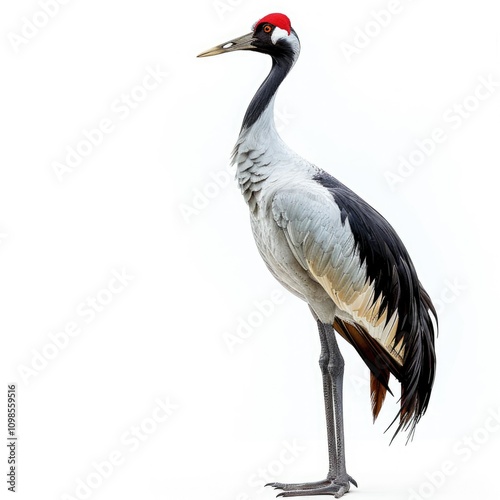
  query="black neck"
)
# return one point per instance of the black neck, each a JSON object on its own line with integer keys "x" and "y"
{"x": 282, "y": 64}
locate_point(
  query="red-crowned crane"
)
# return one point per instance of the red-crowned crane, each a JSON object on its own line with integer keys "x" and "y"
{"x": 327, "y": 246}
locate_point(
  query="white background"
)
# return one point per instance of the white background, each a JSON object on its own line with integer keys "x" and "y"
{"x": 197, "y": 277}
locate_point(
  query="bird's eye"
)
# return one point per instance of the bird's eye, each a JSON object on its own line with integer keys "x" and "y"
{"x": 267, "y": 28}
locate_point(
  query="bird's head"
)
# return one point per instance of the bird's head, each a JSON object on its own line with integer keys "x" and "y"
{"x": 272, "y": 35}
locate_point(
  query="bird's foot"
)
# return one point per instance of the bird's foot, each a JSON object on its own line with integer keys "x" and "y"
{"x": 336, "y": 487}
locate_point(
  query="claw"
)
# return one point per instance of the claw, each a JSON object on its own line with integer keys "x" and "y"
{"x": 274, "y": 485}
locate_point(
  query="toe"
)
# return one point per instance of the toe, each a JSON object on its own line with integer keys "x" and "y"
{"x": 331, "y": 489}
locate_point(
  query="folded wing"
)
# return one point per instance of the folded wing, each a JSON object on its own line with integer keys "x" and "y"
{"x": 353, "y": 252}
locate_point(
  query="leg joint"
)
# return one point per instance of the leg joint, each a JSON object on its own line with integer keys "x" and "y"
{"x": 324, "y": 362}
{"x": 336, "y": 367}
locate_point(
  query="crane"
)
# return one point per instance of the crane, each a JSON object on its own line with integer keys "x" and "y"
{"x": 330, "y": 248}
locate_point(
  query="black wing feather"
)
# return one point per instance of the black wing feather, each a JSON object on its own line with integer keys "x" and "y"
{"x": 394, "y": 277}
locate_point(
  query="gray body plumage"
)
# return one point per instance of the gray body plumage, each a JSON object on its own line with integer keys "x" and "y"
{"x": 300, "y": 234}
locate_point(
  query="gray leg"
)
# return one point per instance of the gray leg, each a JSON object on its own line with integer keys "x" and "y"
{"x": 336, "y": 371}
{"x": 324, "y": 363}
{"x": 332, "y": 369}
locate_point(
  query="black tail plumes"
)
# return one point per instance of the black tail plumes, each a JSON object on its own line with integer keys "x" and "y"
{"x": 419, "y": 365}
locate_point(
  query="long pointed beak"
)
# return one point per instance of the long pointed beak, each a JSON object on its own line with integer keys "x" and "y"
{"x": 242, "y": 43}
